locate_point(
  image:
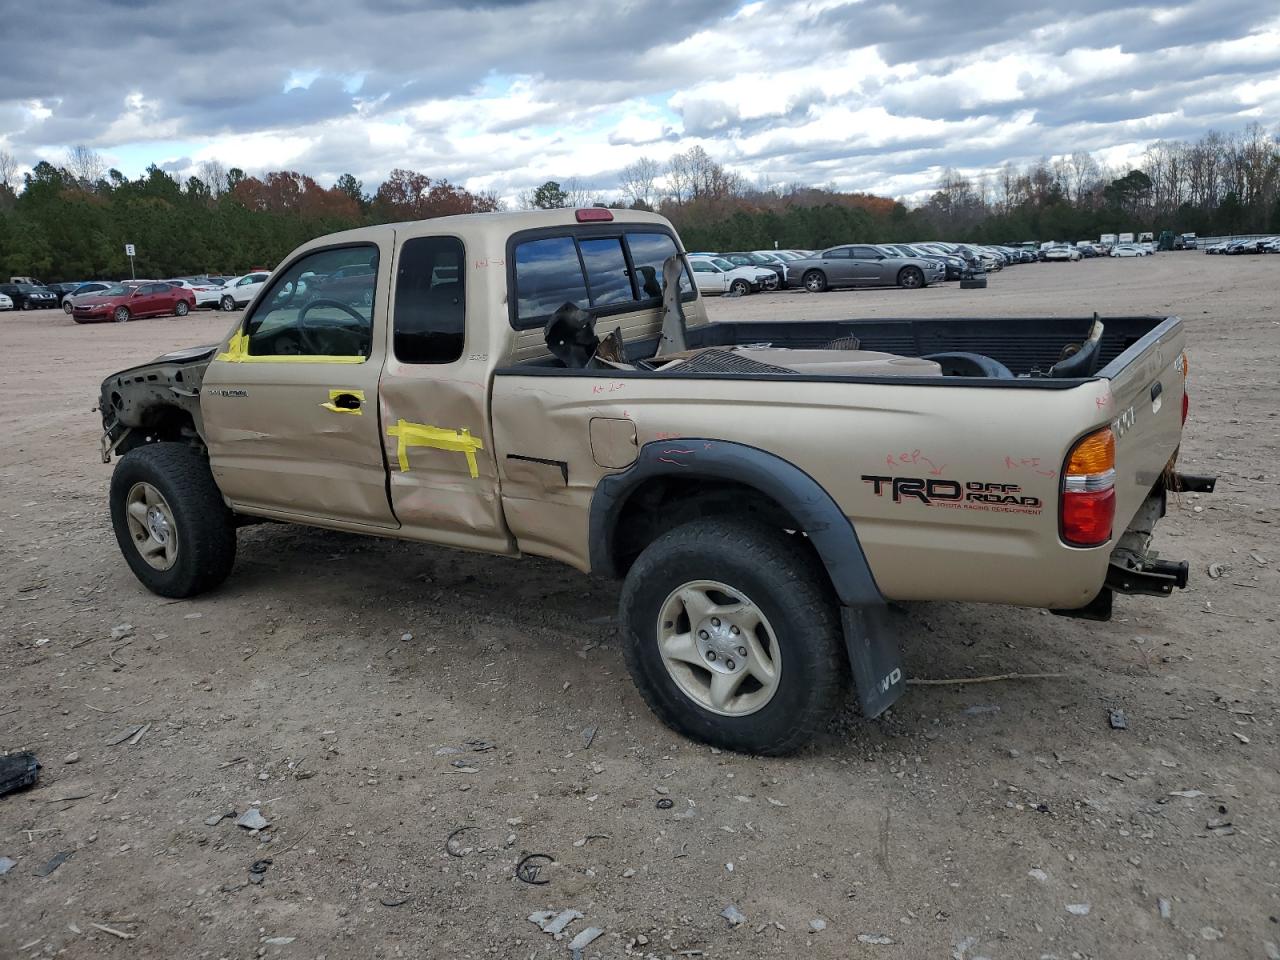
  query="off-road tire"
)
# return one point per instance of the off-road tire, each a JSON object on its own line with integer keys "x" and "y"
{"x": 205, "y": 527}
{"x": 911, "y": 277}
{"x": 815, "y": 281}
{"x": 740, "y": 288}
{"x": 790, "y": 587}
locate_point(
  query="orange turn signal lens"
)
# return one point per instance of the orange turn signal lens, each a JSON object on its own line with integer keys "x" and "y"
{"x": 1095, "y": 454}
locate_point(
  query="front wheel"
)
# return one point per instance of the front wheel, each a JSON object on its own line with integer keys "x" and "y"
{"x": 26, "y": 304}
{"x": 181, "y": 308}
{"x": 121, "y": 314}
{"x": 739, "y": 288}
{"x": 911, "y": 277}
{"x": 815, "y": 281}
{"x": 173, "y": 528}
{"x": 66, "y": 307}
{"x": 732, "y": 635}
{"x": 226, "y": 303}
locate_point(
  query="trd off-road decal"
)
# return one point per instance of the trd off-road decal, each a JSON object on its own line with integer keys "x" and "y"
{"x": 954, "y": 495}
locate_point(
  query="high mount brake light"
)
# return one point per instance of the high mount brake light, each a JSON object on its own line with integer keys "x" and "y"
{"x": 1088, "y": 505}
{"x": 591, "y": 214}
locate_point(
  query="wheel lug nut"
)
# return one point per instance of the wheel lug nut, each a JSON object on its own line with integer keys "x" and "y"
{"x": 742, "y": 651}
{"x": 702, "y": 634}
{"x": 735, "y": 631}
{"x": 715, "y": 621}
{"x": 729, "y": 664}
{"x": 711, "y": 655}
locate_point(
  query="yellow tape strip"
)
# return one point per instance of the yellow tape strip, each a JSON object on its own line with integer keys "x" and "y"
{"x": 238, "y": 352}
{"x": 334, "y": 394}
{"x": 422, "y": 435}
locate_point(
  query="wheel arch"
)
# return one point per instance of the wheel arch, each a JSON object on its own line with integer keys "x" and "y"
{"x": 676, "y": 480}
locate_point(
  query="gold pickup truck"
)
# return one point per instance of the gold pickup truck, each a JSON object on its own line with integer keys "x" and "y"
{"x": 548, "y": 383}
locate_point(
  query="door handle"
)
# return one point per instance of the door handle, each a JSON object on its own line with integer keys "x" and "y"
{"x": 345, "y": 401}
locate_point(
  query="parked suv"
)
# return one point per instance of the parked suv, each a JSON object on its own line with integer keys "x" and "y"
{"x": 29, "y": 296}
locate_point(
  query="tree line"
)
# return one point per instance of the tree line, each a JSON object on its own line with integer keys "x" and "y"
{"x": 72, "y": 221}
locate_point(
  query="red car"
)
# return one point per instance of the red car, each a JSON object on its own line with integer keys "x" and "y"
{"x": 129, "y": 301}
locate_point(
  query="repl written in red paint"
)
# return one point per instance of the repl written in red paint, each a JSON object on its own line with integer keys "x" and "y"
{"x": 914, "y": 458}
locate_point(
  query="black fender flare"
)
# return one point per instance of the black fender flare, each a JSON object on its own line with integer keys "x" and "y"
{"x": 871, "y": 644}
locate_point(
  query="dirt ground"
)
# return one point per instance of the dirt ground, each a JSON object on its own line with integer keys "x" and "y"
{"x": 1003, "y": 820}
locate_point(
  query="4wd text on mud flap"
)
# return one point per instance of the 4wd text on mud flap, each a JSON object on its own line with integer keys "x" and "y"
{"x": 974, "y": 494}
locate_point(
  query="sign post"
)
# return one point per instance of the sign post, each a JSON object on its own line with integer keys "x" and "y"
{"x": 129, "y": 252}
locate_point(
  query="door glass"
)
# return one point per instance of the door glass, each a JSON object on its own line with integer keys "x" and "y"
{"x": 430, "y": 311}
{"x": 321, "y": 306}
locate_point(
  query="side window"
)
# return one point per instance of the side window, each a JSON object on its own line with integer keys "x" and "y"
{"x": 323, "y": 313}
{"x": 864, "y": 253}
{"x": 430, "y": 311}
{"x": 838, "y": 253}
{"x": 700, "y": 266}
{"x": 548, "y": 275}
{"x": 648, "y": 252}
{"x": 606, "y": 271}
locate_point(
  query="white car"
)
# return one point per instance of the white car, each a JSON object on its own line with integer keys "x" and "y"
{"x": 716, "y": 275}
{"x": 1129, "y": 250}
{"x": 6, "y": 302}
{"x": 1062, "y": 253}
{"x": 206, "y": 294}
{"x": 238, "y": 291}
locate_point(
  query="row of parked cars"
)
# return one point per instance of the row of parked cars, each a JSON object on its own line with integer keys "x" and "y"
{"x": 1251, "y": 245}
{"x": 97, "y": 300}
{"x": 910, "y": 265}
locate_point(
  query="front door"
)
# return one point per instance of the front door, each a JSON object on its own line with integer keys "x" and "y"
{"x": 291, "y": 401}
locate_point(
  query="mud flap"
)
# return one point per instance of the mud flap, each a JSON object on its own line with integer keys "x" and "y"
{"x": 873, "y": 657}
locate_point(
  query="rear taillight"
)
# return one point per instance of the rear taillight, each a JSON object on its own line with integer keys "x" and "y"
{"x": 1088, "y": 490}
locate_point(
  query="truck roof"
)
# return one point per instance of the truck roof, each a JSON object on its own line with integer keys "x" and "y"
{"x": 495, "y": 227}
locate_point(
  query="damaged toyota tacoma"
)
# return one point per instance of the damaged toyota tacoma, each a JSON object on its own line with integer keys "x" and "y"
{"x": 548, "y": 384}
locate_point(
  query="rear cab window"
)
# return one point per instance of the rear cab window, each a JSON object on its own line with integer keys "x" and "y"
{"x": 607, "y": 270}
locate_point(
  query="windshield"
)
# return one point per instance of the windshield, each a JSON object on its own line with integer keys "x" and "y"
{"x": 722, "y": 263}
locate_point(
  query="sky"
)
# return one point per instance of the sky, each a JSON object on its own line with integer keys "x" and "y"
{"x": 501, "y": 95}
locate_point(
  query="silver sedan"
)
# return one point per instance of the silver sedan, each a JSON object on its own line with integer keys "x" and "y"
{"x": 862, "y": 265}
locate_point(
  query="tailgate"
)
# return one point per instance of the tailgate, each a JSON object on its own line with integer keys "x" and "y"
{"x": 1147, "y": 386}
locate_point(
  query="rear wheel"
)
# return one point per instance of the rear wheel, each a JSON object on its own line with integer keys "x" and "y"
{"x": 181, "y": 308}
{"x": 732, "y": 636}
{"x": 911, "y": 277}
{"x": 121, "y": 314}
{"x": 26, "y": 303}
{"x": 740, "y": 288}
{"x": 172, "y": 526}
{"x": 815, "y": 281}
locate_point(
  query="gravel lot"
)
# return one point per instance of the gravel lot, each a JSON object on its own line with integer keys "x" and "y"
{"x": 1002, "y": 820}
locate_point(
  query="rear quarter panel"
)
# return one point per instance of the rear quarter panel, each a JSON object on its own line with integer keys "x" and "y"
{"x": 856, "y": 440}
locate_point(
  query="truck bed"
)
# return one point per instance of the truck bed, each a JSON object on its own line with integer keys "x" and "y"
{"x": 1026, "y": 345}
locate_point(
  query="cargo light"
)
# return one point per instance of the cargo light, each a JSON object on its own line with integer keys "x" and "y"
{"x": 1186, "y": 397}
{"x": 1088, "y": 505}
{"x": 588, "y": 214}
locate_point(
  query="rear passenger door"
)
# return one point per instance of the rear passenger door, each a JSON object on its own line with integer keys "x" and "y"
{"x": 433, "y": 398}
{"x": 837, "y": 266}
